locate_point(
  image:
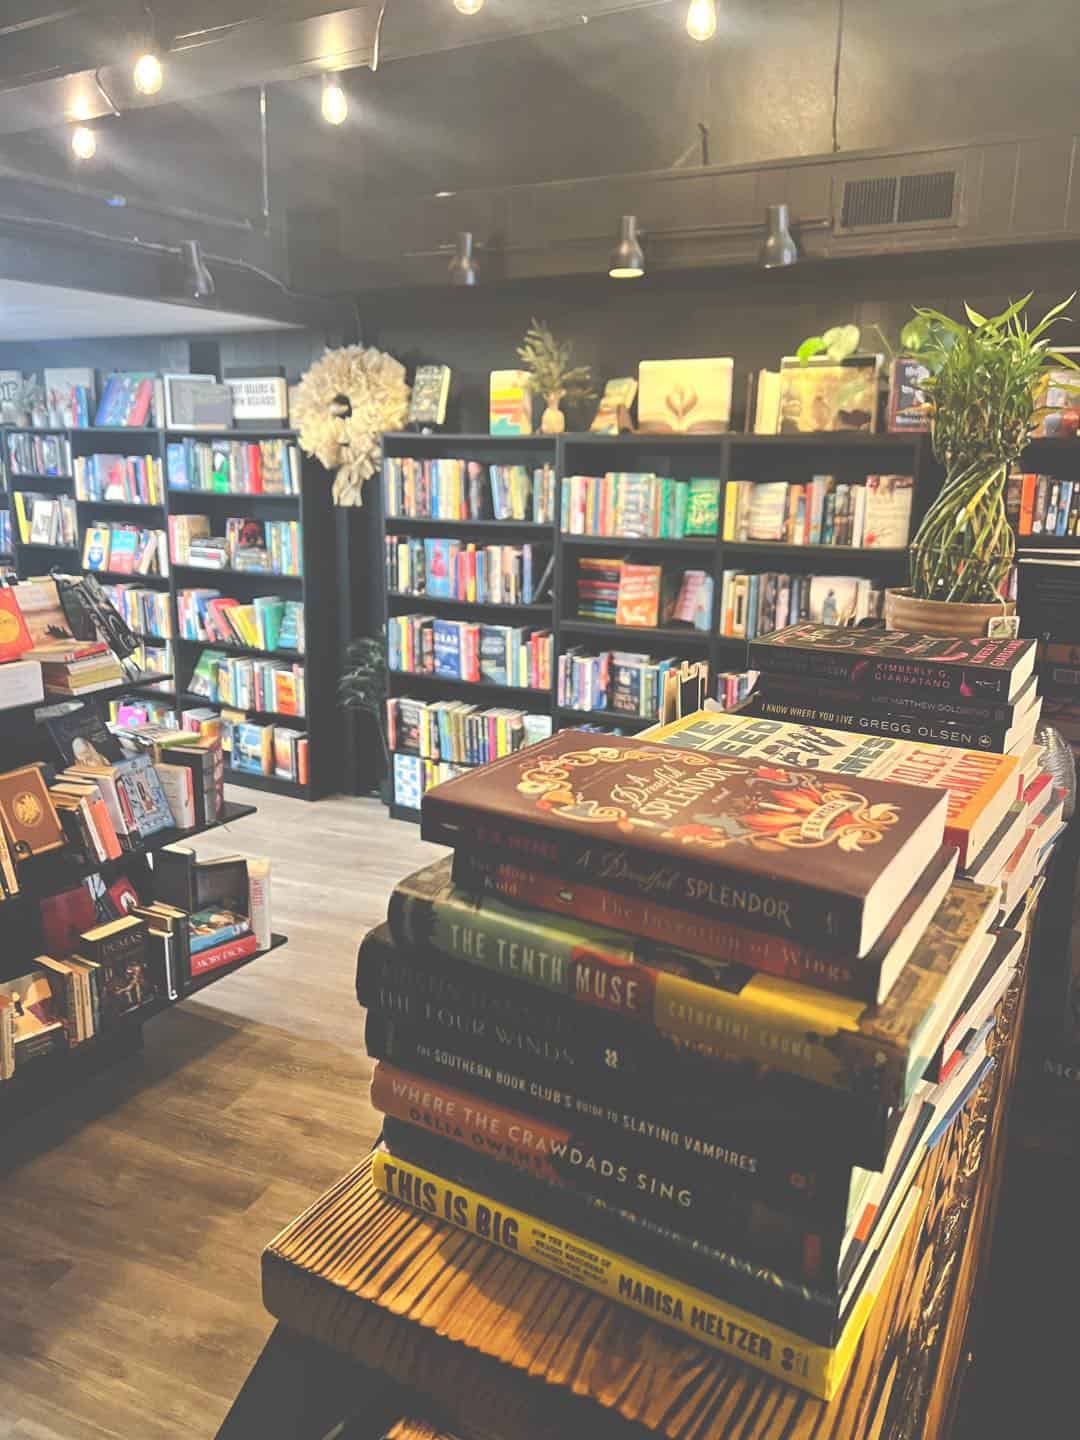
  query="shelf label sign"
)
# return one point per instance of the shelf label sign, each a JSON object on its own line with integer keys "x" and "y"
{"x": 259, "y": 397}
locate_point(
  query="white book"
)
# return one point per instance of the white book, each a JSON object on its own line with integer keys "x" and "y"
{"x": 20, "y": 683}
{"x": 177, "y": 783}
{"x": 258, "y": 869}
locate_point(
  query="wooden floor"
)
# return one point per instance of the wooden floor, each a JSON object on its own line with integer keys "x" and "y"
{"x": 134, "y": 1215}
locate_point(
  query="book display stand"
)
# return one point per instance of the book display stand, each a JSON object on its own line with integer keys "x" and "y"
{"x": 23, "y": 741}
{"x": 314, "y": 588}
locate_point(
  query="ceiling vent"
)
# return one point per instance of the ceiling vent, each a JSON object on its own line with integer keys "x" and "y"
{"x": 900, "y": 200}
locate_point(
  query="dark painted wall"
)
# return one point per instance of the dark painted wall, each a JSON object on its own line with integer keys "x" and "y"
{"x": 753, "y": 315}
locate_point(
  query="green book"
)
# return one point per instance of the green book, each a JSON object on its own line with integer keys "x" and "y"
{"x": 703, "y": 506}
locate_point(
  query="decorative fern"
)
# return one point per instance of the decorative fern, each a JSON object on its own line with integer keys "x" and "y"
{"x": 549, "y": 363}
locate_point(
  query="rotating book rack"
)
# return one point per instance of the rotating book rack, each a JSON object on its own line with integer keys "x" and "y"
{"x": 314, "y": 588}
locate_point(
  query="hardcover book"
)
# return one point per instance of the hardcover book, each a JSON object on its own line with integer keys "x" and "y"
{"x": 908, "y": 407}
{"x": 31, "y": 824}
{"x": 948, "y": 668}
{"x": 733, "y": 1331}
{"x": 887, "y": 517}
{"x": 511, "y": 403}
{"x": 727, "y": 837}
{"x": 119, "y": 947}
{"x": 431, "y": 387}
{"x": 825, "y": 395}
{"x": 980, "y": 787}
{"x": 680, "y": 397}
{"x": 725, "y": 1011}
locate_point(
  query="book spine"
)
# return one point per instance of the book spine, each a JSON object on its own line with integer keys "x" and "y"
{"x": 663, "y": 924}
{"x": 873, "y": 720}
{"x": 206, "y": 960}
{"x": 733, "y": 1332}
{"x": 555, "y": 1155}
{"x": 793, "y": 1028}
{"x": 841, "y": 666}
{"x": 778, "y": 906}
{"x": 777, "y": 1132}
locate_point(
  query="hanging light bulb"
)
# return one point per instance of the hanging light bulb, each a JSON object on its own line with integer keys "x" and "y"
{"x": 148, "y": 75}
{"x": 463, "y": 268}
{"x": 468, "y": 7}
{"x": 83, "y": 143}
{"x": 701, "y": 19}
{"x": 778, "y": 248}
{"x": 335, "y": 103}
{"x": 627, "y": 259}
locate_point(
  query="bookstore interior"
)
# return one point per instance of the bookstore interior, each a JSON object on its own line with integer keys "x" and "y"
{"x": 521, "y": 722}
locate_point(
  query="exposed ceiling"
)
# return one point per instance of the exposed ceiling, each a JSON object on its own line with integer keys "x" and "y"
{"x": 53, "y": 312}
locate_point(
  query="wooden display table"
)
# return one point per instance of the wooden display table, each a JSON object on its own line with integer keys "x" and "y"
{"x": 487, "y": 1344}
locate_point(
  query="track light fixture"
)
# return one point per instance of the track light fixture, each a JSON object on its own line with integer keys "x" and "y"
{"x": 83, "y": 143}
{"x": 147, "y": 76}
{"x": 778, "y": 248}
{"x": 701, "y": 19}
{"x": 335, "y": 103}
{"x": 463, "y": 268}
{"x": 198, "y": 281}
{"x": 468, "y": 7}
{"x": 627, "y": 259}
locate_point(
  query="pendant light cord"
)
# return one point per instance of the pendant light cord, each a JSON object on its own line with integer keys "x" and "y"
{"x": 836, "y": 75}
{"x": 376, "y": 45}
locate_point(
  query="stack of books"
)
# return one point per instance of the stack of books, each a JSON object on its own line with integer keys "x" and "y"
{"x": 467, "y": 490}
{"x": 753, "y": 603}
{"x": 461, "y": 650}
{"x": 134, "y": 479}
{"x": 234, "y": 467}
{"x": 676, "y": 1024}
{"x": 875, "y": 514}
{"x": 257, "y": 749}
{"x": 733, "y": 686}
{"x": 973, "y": 694}
{"x": 639, "y": 506}
{"x": 456, "y": 570}
{"x": 457, "y": 732}
{"x": 76, "y": 667}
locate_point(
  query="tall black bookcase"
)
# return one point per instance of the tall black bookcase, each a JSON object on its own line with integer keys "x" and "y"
{"x": 315, "y": 588}
{"x": 730, "y": 457}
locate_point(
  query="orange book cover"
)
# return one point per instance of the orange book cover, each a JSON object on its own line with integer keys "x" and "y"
{"x": 1027, "y": 503}
{"x": 15, "y": 638}
{"x": 639, "y": 595}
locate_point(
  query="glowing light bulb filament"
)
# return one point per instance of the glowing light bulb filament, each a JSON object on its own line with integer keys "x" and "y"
{"x": 701, "y": 19}
{"x": 83, "y": 143}
{"x": 335, "y": 103}
{"x": 148, "y": 75}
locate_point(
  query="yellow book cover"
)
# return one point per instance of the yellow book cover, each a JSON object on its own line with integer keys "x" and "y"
{"x": 818, "y": 1369}
{"x": 243, "y": 617}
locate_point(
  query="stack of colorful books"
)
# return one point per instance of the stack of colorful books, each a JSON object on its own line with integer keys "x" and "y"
{"x": 681, "y": 1017}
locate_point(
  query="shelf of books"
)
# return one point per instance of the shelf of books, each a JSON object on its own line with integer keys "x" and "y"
{"x": 213, "y": 546}
{"x": 619, "y": 558}
{"x": 108, "y": 914}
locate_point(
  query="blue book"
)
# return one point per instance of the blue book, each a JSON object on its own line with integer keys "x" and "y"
{"x": 447, "y": 638}
{"x": 495, "y": 654}
{"x": 438, "y": 566}
{"x": 210, "y": 927}
{"x": 176, "y": 467}
{"x": 1064, "y": 502}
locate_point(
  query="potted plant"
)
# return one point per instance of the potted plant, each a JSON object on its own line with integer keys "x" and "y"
{"x": 548, "y": 362}
{"x": 982, "y": 393}
{"x": 363, "y": 687}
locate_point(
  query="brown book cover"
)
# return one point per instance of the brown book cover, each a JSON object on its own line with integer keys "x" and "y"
{"x": 785, "y": 850}
{"x": 29, "y": 817}
{"x": 119, "y": 947}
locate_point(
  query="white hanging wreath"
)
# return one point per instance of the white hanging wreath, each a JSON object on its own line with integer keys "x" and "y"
{"x": 341, "y": 408}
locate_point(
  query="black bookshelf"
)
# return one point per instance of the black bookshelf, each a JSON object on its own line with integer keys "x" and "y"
{"x": 314, "y": 588}
{"x": 727, "y": 457}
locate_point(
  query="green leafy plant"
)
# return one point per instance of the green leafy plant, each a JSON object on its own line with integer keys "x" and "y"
{"x": 983, "y": 393}
{"x": 549, "y": 362}
{"x": 363, "y": 684}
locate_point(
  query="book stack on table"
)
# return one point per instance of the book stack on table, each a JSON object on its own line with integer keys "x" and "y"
{"x": 680, "y": 1024}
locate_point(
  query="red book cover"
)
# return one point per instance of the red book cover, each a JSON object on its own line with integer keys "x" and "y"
{"x": 206, "y": 960}
{"x": 15, "y": 638}
{"x": 140, "y": 405}
{"x": 64, "y": 918}
{"x": 789, "y": 851}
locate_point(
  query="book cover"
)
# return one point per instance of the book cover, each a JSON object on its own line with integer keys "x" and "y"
{"x": 724, "y": 836}
{"x": 824, "y": 395}
{"x": 37, "y": 1028}
{"x": 431, "y": 388}
{"x": 638, "y": 601}
{"x": 948, "y": 668}
{"x": 15, "y": 638}
{"x": 980, "y": 787}
{"x": 908, "y": 406}
{"x": 119, "y": 948}
{"x": 702, "y": 506}
{"x": 27, "y": 813}
{"x": 79, "y": 734}
{"x": 887, "y": 516}
{"x": 781, "y": 1353}
{"x": 511, "y": 403}
{"x": 768, "y": 507}
{"x": 680, "y": 397}
{"x": 227, "y": 953}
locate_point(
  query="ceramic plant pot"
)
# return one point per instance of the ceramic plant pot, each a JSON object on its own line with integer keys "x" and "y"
{"x": 939, "y": 617}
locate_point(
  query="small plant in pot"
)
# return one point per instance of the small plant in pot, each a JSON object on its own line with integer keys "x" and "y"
{"x": 363, "y": 688}
{"x": 560, "y": 382}
{"x": 982, "y": 390}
